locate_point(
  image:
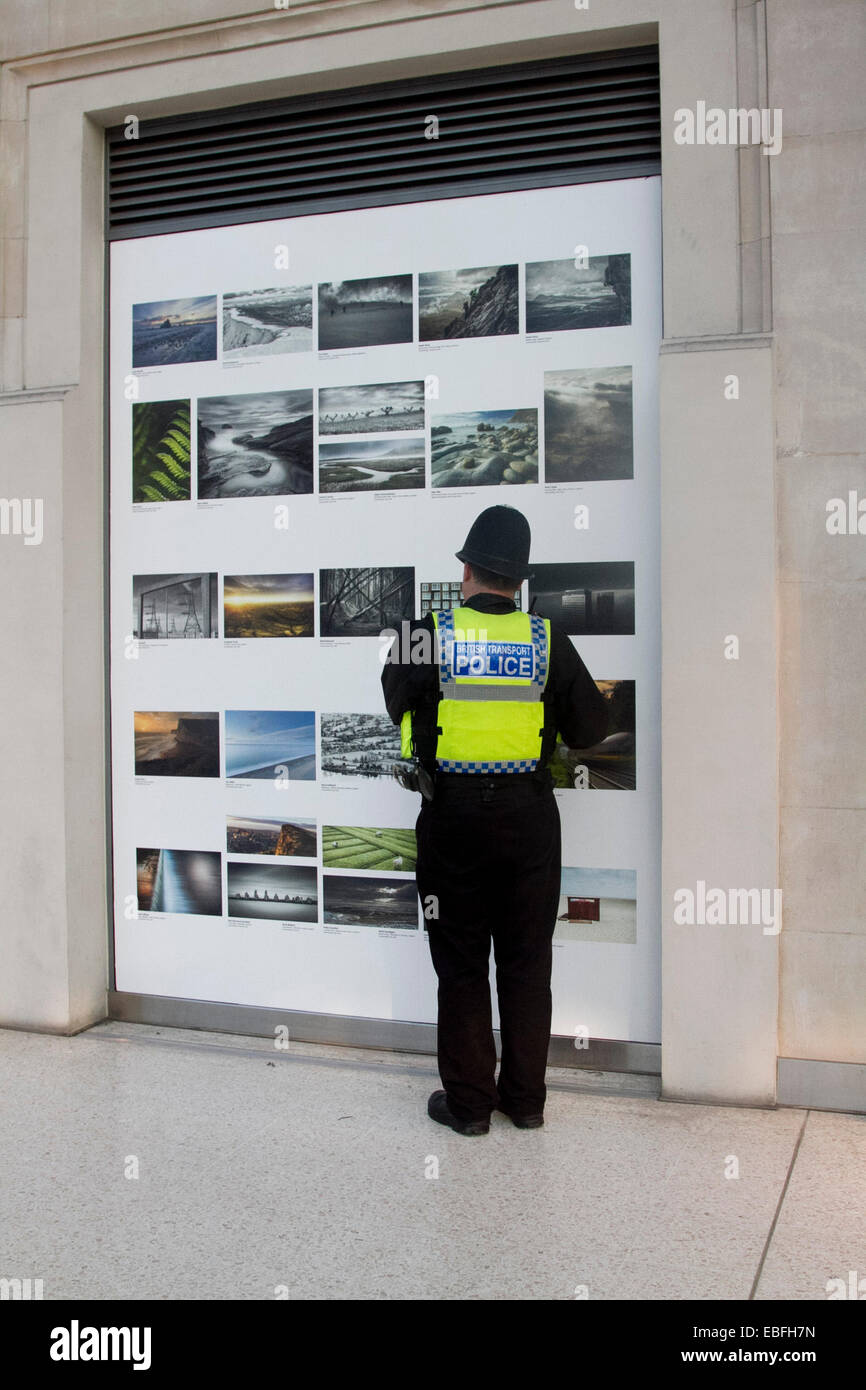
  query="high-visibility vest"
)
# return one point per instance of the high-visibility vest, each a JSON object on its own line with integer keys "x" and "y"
{"x": 492, "y": 674}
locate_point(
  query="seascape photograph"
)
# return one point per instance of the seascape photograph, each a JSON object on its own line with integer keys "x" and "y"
{"x": 174, "y": 607}
{"x": 588, "y": 435}
{"x": 258, "y": 444}
{"x": 597, "y": 905}
{"x": 484, "y": 448}
{"x": 172, "y": 743}
{"x": 358, "y": 747}
{"x": 272, "y": 745}
{"x": 585, "y": 599}
{"x": 479, "y": 303}
{"x": 179, "y": 880}
{"x": 611, "y": 764}
{"x": 365, "y": 313}
{"x": 372, "y": 465}
{"x": 259, "y": 323}
{"x": 369, "y": 902}
{"x": 271, "y": 892}
{"x": 167, "y": 332}
{"x": 361, "y": 602}
{"x": 268, "y": 605}
{"x": 561, "y": 296}
{"x": 270, "y": 835}
{"x": 390, "y": 405}
{"x": 161, "y": 454}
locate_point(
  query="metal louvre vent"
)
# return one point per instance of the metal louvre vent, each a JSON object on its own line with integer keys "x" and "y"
{"x": 526, "y": 126}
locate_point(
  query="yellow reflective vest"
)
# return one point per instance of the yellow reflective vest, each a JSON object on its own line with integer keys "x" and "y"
{"x": 492, "y": 674}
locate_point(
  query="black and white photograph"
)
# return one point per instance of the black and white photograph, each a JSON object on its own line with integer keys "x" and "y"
{"x": 177, "y": 743}
{"x": 175, "y": 607}
{"x": 257, "y": 444}
{"x": 271, "y": 892}
{"x": 259, "y": 323}
{"x": 361, "y": 602}
{"x": 372, "y": 465}
{"x": 588, "y": 434}
{"x": 358, "y": 746}
{"x": 167, "y": 332}
{"x": 595, "y": 598}
{"x": 484, "y": 448}
{"x": 561, "y": 295}
{"x": 387, "y": 903}
{"x": 609, "y": 765}
{"x": 479, "y": 303}
{"x": 272, "y": 745}
{"x": 271, "y": 835}
{"x": 179, "y": 880}
{"x": 365, "y": 313}
{"x": 597, "y": 905}
{"x": 387, "y": 405}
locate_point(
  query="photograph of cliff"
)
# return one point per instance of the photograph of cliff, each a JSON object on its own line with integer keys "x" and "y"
{"x": 484, "y": 448}
{"x": 259, "y": 444}
{"x": 561, "y": 295}
{"x": 361, "y": 602}
{"x": 268, "y": 605}
{"x": 479, "y": 303}
{"x": 170, "y": 331}
{"x": 365, "y": 313}
{"x": 172, "y": 743}
{"x": 588, "y": 435}
{"x": 179, "y": 880}
{"x": 259, "y": 323}
{"x": 267, "y": 835}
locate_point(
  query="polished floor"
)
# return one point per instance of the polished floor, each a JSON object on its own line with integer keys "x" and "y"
{"x": 167, "y": 1164}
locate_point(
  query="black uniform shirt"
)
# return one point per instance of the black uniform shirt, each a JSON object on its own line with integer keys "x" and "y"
{"x": 573, "y": 704}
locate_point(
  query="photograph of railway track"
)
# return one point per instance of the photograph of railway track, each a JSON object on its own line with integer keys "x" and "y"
{"x": 365, "y": 313}
{"x": 478, "y": 303}
{"x": 386, "y": 405}
{"x": 561, "y": 295}
{"x": 361, "y": 602}
{"x": 272, "y": 892}
{"x": 266, "y": 835}
{"x": 595, "y": 598}
{"x": 268, "y": 605}
{"x": 611, "y": 764}
{"x": 179, "y": 880}
{"x": 358, "y": 746}
{"x": 363, "y": 847}
{"x": 369, "y": 902}
{"x": 588, "y": 425}
{"x": 597, "y": 905}
{"x": 177, "y": 743}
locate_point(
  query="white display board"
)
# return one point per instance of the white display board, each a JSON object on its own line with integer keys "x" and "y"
{"x": 306, "y": 416}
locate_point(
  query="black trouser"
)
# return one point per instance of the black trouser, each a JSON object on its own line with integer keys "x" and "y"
{"x": 489, "y": 854}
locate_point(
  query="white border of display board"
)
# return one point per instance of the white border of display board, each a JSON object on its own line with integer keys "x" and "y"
{"x": 306, "y": 417}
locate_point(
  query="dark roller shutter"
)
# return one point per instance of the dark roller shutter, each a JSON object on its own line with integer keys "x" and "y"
{"x": 525, "y": 126}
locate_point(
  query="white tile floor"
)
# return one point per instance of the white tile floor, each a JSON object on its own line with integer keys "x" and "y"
{"x": 310, "y": 1169}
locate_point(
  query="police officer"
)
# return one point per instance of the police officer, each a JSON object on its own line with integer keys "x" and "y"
{"x": 480, "y": 717}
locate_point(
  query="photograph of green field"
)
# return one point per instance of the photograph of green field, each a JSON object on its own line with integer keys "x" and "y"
{"x": 359, "y": 847}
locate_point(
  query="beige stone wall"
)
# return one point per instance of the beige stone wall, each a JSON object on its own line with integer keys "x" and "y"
{"x": 817, "y": 62}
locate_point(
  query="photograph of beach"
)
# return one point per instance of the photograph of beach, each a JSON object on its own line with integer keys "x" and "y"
{"x": 484, "y": 448}
{"x": 365, "y": 313}
{"x": 166, "y": 332}
{"x": 259, "y": 323}
{"x": 259, "y": 444}
{"x": 348, "y": 901}
{"x": 273, "y": 745}
{"x": 172, "y": 743}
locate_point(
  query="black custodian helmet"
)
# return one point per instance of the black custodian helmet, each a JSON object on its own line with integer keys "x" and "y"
{"x": 499, "y": 541}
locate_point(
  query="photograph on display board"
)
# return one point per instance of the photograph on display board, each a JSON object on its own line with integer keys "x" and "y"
{"x": 561, "y": 296}
{"x": 171, "y": 743}
{"x": 358, "y": 746}
{"x": 369, "y": 902}
{"x": 365, "y": 847}
{"x": 390, "y": 405}
{"x": 365, "y": 313}
{"x": 179, "y": 880}
{"x": 361, "y": 602}
{"x": 609, "y": 765}
{"x": 479, "y": 303}
{"x": 591, "y": 599}
{"x": 268, "y": 605}
{"x": 167, "y": 332}
{"x": 279, "y": 745}
{"x": 267, "y": 835}
{"x": 588, "y": 435}
{"x": 372, "y": 465}
{"x": 272, "y": 892}
{"x": 447, "y": 593}
{"x": 597, "y": 905}
{"x": 258, "y": 323}
{"x": 483, "y": 448}
{"x": 174, "y": 606}
{"x": 161, "y": 451}
{"x": 259, "y": 444}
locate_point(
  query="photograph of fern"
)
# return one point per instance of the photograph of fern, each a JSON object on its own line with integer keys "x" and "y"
{"x": 161, "y": 451}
